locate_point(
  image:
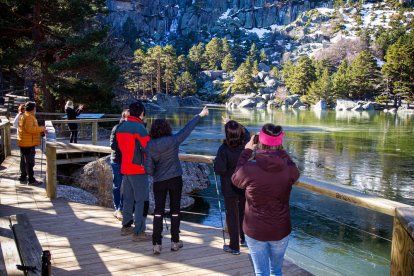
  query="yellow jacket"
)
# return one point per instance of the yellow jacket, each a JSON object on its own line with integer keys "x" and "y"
{"x": 28, "y": 133}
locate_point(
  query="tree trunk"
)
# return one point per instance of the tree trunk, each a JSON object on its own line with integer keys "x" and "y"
{"x": 48, "y": 101}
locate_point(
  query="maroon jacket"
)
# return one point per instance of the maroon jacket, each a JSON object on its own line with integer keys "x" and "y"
{"x": 268, "y": 182}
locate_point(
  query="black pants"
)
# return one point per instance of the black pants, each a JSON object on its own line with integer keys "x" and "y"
{"x": 27, "y": 162}
{"x": 73, "y": 132}
{"x": 234, "y": 218}
{"x": 174, "y": 187}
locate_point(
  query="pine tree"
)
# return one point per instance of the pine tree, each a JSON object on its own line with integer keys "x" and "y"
{"x": 321, "y": 89}
{"x": 253, "y": 52}
{"x": 298, "y": 78}
{"x": 226, "y": 47}
{"x": 364, "y": 76}
{"x": 196, "y": 56}
{"x": 398, "y": 71}
{"x": 62, "y": 42}
{"x": 263, "y": 57}
{"x": 170, "y": 67}
{"x": 228, "y": 63}
{"x": 185, "y": 84}
{"x": 340, "y": 81}
{"x": 243, "y": 79}
{"x": 214, "y": 53}
{"x": 149, "y": 72}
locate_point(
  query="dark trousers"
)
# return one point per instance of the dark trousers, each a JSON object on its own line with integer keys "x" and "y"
{"x": 234, "y": 219}
{"x": 27, "y": 162}
{"x": 73, "y": 132}
{"x": 173, "y": 187}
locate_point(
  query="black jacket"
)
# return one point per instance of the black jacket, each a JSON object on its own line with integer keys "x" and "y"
{"x": 116, "y": 155}
{"x": 162, "y": 153}
{"x": 72, "y": 114}
{"x": 225, "y": 164}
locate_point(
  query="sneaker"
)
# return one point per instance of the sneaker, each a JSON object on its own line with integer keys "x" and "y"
{"x": 140, "y": 237}
{"x": 175, "y": 246}
{"x": 34, "y": 182}
{"x": 156, "y": 249}
{"x": 227, "y": 249}
{"x": 125, "y": 231}
{"x": 243, "y": 244}
{"x": 118, "y": 214}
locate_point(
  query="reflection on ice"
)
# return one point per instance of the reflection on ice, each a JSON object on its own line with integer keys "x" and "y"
{"x": 359, "y": 115}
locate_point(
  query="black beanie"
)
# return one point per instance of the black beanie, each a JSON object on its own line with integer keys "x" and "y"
{"x": 30, "y": 106}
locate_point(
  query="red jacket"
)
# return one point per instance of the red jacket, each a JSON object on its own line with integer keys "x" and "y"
{"x": 132, "y": 138}
{"x": 268, "y": 182}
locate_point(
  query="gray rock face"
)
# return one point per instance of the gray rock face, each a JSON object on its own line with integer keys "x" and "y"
{"x": 96, "y": 178}
{"x": 321, "y": 105}
{"x": 342, "y": 105}
{"x": 157, "y": 18}
{"x": 166, "y": 101}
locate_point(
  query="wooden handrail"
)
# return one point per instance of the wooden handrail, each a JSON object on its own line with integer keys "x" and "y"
{"x": 5, "y": 136}
{"x": 65, "y": 121}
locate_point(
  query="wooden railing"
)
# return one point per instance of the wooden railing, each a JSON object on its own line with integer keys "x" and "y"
{"x": 5, "y": 140}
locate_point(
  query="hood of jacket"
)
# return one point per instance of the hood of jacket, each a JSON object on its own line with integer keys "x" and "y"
{"x": 271, "y": 160}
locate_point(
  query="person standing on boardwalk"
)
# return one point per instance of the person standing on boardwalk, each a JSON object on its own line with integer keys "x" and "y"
{"x": 164, "y": 166}
{"x": 72, "y": 114}
{"x": 116, "y": 157}
{"x": 132, "y": 138}
{"x": 28, "y": 137}
{"x": 268, "y": 181}
{"x": 234, "y": 200}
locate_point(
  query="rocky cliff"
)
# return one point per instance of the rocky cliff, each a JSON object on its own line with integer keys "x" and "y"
{"x": 160, "y": 18}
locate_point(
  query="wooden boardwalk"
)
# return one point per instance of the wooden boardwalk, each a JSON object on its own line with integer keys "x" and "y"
{"x": 86, "y": 240}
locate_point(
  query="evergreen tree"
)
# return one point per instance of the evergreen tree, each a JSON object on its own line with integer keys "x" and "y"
{"x": 398, "y": 71}
{"x": 253, "y": 52}
{"x": 62, "y": 43}
{"x": 340, "y": 81}
{"x": 263, "y": 57}
{"x": 228, "y": 63}
{"x": 185, "y": 84}
{"x": 243, "y": 79}
{"x": 196, "y": 56}
{"x": 155, "y": 55}
{"x": 298, "y": 78}
{"x": 170, "y": 67}
{"x": 364, "y": 76}
{"x": 149, "y": 72}
{"x": 183, "y": 64}
{"x": 214, "y": 53}
{"x": 226, "y": 47}
{"x": 321, "y": 89}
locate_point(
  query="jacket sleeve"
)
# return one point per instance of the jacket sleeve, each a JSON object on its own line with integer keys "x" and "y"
{"x": 16, "y": 120}
{"x": 238, "y": 178}
{"x": 186, "y": 130}
{"x": 112, "y": 140}
{"x": 30, "y": 127}
{"x": 77, "y": 112}
{"x": 220, "y": 162}
{"x": 149, "y": 162}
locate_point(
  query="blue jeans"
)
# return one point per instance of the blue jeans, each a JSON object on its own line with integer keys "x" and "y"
{"x": 267, "y": 256}
{"x": 136, "y": 192}
{"x": 116, "y": 186}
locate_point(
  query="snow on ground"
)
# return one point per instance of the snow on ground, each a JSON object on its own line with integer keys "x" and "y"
{"x": 225, "y": 15}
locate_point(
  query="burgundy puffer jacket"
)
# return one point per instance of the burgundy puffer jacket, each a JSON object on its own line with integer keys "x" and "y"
{"x": 268, "y": 182}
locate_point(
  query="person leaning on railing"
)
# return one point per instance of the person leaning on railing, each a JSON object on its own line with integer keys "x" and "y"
{"x": 268, "y": 181}
{"x": 28, "y": 137}
{"x": 164, "y": 165}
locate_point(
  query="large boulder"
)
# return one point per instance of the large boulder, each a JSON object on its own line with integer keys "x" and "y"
{"x": 247, "y": 103}
{"x": 263, "y": 67}
{"x": 96, "y": 178}
{"x": 369, "y": 106}
{"x": 321, "y": 105}
{"x": 165, "y": 100}
{"x": 343, "y": 105}
{"x": 297, "y": 104}
{"x": 190, "y": 101}
{"x": 212, "y": 74}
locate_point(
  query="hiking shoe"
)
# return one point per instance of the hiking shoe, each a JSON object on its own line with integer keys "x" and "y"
{"x": 125, "y": 231}
{"x": 34, "y": 182}
{"x": 175, "y": 246}
{"x": 22, "y": 180}
{"x": 156, "y": 249}
{"x": 140, "y": 237}
{"x": 118, "y": 214}
{"x": 227, "y": 249}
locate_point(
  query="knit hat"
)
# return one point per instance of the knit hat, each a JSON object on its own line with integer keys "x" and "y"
{"x": 30, "y": 106}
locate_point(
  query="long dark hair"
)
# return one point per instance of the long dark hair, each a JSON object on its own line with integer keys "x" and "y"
{"x": 272, "y": 130}
{"x": 160, "y": 128}
{"x": 234, "y": 134}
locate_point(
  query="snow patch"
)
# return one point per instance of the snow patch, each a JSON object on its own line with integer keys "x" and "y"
{"x": 225, "y": 15}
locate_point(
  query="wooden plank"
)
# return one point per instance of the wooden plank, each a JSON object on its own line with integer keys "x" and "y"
{"x": 402, "y": 250}
{"x": 51, "y": 171}
{"x": 85, "y": 159}
{"x": 9, "y": 254}
{"x": 27, "y": 243}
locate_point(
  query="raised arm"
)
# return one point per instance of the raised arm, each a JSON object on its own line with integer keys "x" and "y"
{"x": 186, "y": 130}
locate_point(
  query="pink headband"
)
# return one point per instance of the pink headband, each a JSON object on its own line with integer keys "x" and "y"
{"x": 268, "y": 140}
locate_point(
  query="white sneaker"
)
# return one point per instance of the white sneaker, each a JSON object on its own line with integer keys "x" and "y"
{"x": 157, "y": 249}
{"x": 118, "y": 214}
{"x": 175, "y": 246}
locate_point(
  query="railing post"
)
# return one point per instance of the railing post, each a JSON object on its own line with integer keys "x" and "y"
{"x": 94, "y": 133}
{"x": 7, "y": 140}
{"x": 402, "y": 251}
{"x": 51, "y": 170}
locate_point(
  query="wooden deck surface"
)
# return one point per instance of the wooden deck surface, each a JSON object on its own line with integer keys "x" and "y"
{"x": 86, "y": 240}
